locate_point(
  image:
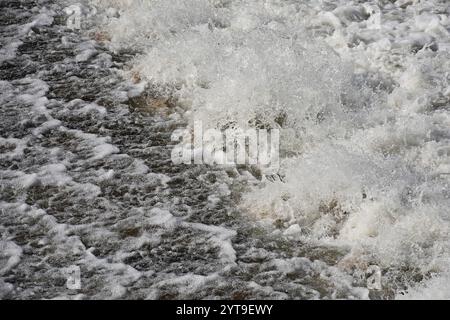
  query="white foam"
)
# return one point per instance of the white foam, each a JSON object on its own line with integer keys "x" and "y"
{"x": 221, "y": 237}
{"x": 360, "y": 92}
{"x": 92, "y": 108}
{"x": 10, "y": 254}
{"x": 436, "y": 288}
{"x": 186, "y": 284}
{"x": 162, "y": 217}
{"x": 44, "y": 18}
{"x": 8, "y": 52}
{"x": 103, "y": 150}
{"x": 14, "y": 148}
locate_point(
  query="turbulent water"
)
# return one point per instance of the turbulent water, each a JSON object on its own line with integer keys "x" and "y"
{"x": 358, "y": 89}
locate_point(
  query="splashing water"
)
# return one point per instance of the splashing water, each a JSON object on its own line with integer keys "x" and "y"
{"x": 360, "y": 91}
{"x": 363, "y": 110}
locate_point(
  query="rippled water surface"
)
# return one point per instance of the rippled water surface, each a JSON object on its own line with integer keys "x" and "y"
{"x": 359, "y": 90}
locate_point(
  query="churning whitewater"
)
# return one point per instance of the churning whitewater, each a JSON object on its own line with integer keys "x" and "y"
{"x": 91, "y": 92}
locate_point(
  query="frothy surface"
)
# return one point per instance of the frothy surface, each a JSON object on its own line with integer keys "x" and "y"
{"x": 362, "y": 89}
{"x": 359, "y": 89}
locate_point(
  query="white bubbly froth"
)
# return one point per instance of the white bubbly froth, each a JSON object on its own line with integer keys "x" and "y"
{"x": 362, "y": 88}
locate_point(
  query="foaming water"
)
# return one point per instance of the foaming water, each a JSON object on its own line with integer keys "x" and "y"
{"x": 362, "y": 102}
